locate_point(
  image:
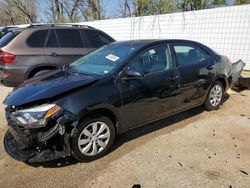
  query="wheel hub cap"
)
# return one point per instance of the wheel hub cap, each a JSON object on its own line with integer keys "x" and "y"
{"x": 215, "y": 95}
{"x": 94, "y": 138}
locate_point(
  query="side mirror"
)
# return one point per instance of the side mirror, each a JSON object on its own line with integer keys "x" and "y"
{"x": 132, "y": 75}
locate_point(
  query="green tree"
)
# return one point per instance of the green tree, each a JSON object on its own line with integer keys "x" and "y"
{"x": 17, "y": 12}
{"x": 152, "y": 7}
{"x": 240, "y": 2}
{"x": 92, "y": 10}
{"x": 61, "y": 11}
{"x": 187, "y": 5}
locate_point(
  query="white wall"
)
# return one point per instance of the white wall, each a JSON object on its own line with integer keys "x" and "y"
{"x": 226, "y": 30}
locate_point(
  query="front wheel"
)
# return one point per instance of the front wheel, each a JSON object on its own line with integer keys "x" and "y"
{"x": 40, "y": 73}
{"x": 93, "y": 138}
{"x": 215, "y": 96}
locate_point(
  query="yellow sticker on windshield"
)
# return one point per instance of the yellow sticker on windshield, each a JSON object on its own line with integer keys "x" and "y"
{"x": 112, "y": 57}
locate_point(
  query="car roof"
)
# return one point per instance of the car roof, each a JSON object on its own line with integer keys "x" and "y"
{"x": 47, "y": 26}
{"x": 137, "y": 42}
{"x": 16, "y": 29}
{"x": 59, "y": 25}
{"x": 145, "y": 42}
{"x": 18, "y": 26}
{"x": 149, "y": 42}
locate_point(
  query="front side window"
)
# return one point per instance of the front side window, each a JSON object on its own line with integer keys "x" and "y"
{"x": 37, "y": 39}
{"x": 97, "y": 39}
{"x": 153, "y": 60}
{"x": 189, "y": 54}
{"x": 69, "y": 38}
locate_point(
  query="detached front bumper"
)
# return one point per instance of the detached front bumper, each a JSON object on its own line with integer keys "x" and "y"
{"x": 39, "y": 145}
{"x": 13, "y": 149}
{"x": 236, "y": 69}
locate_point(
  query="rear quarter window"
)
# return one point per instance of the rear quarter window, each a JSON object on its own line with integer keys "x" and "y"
{"x": 37, "y": 39}
{"x": 97, "y": 38}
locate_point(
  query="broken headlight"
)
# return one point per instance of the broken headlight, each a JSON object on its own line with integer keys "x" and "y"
{"x": 35, "y": 117}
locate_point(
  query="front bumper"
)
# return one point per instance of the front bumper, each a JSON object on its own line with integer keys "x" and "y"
{"x": 236, "y": 69}
{"x": 39, "y": 145}
{"x": 12, "y": 148}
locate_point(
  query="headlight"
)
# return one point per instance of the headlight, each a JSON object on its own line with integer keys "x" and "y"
{"x": 35, "y": 117}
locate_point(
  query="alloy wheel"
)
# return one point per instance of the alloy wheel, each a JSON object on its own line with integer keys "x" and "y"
{"x": 94, "y": 138}
{"x": 215, "y": 95}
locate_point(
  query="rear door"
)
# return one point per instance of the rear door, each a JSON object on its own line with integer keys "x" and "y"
{"x": 34, "y": 55}
{"x": 196, "y": 68}
{"x": 64, "y": 46}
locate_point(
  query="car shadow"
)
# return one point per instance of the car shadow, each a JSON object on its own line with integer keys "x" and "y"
{"x": 152, "y": 127}
{"x": 241, "y": 85}
{"x": 131, "y": 135}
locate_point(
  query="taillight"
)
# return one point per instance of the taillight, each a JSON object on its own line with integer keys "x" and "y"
{"x": 229, "y": 61}
{"x": 6, "y": 57}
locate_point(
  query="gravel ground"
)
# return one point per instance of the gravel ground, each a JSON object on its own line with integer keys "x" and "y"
{"x": 192, "y": 149}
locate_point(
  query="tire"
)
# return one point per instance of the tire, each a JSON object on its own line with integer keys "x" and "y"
{"x": 215, "y": 96}
{"x": 39, "y": 73}
{"x": 87, "y": 144}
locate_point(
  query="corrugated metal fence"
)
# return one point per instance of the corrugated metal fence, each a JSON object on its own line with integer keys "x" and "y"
{"x": 226, "y": 30}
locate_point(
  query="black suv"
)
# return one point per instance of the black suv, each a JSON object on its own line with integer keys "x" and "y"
{"x": 40, "y": 48}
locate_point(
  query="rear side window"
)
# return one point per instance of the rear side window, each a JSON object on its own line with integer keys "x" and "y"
{"x": 37, "y": 39}
{"x": 52, "y": 40}
{"x": 189, "y": 54}
{"x": 7, "y": 38}
{"x": 69, "y": 38}
{"x": 97, "y": 38}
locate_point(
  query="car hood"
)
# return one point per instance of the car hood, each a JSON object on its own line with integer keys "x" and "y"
{"x": 47, "y": 86}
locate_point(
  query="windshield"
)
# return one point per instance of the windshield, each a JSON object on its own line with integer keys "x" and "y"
{"x": 105, "y": 59}
{"x": 7, "y": 38}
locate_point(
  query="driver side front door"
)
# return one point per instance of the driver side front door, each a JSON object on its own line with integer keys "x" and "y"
{"x": 155, "y": 94}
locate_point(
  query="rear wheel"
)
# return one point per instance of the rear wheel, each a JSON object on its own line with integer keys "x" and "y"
{"x": 215, "y": 96}
{"x": 93, "y": 138}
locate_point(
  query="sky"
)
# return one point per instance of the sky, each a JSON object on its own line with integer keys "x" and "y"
{"x": 111, "y": 7}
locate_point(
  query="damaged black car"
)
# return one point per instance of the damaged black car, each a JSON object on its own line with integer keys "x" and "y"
{"x": 79, "y": 109}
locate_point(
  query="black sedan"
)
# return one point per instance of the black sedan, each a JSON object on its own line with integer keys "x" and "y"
{"x": 78, "y": 110}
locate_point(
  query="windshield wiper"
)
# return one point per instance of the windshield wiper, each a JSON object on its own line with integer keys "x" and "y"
{"x": 65, "y": 69}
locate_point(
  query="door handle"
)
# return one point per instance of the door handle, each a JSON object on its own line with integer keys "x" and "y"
{"x": 210, "y": 67}
{"x": 53, "y": 54}
{"x": 173, "y": 77}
